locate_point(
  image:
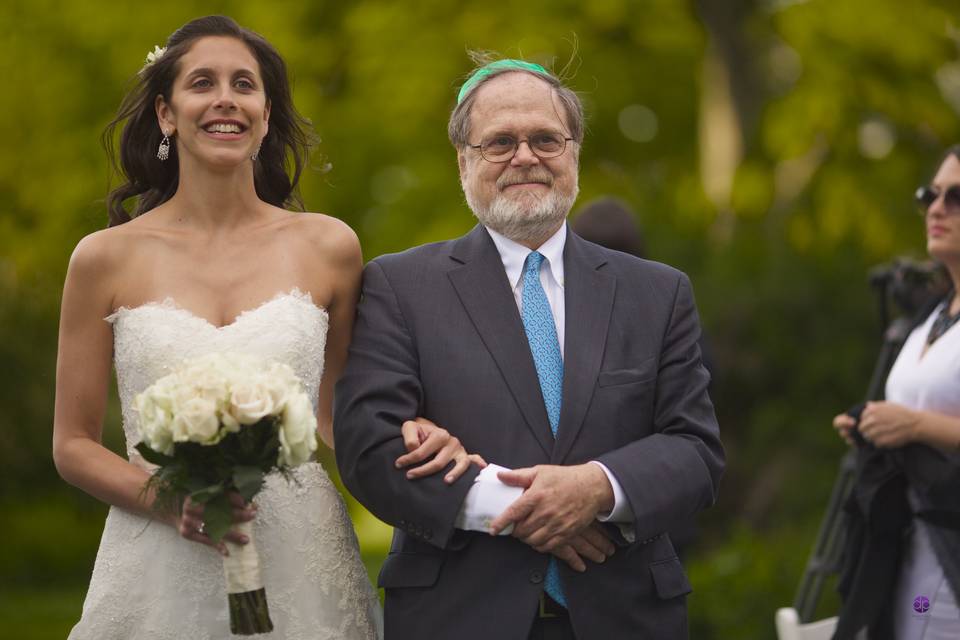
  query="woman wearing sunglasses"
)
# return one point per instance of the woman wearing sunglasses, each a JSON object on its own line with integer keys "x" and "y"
{"x": 908, "y": 469}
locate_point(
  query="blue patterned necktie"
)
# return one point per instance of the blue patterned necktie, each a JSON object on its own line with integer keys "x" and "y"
{"x": 542, "y": 335}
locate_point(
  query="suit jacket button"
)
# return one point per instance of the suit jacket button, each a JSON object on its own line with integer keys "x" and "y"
{"x": 536, "y": 577}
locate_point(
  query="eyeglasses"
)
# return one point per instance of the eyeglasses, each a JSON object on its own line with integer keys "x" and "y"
{"x": 926, "y": 196}
{"x": 502, "y": 147}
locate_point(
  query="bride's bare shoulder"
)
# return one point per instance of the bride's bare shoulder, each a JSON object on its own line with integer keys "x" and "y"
{"x": 92, "y": 269}
{"x": 101, "y": 258}
{"x": 97, "y": 252}
{"x": 326, "y": 236}
{"x": 107, "y": 247}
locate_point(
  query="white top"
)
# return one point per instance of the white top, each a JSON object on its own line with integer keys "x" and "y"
{"x": 925, "y": 382}
{"x": 931, "y": 381}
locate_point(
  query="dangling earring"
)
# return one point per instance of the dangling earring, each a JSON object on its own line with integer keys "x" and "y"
{"x": 256, "y": 152}
{"x": 163, "y": 152}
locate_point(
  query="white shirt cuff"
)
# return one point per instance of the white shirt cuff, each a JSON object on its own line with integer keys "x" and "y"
{"x": 621, "y": 506}
{"x": 622, "y": 514}
{"x": 486, "y": 499}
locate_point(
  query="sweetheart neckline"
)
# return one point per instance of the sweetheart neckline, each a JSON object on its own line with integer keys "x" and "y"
{"x": 170, "y": 303}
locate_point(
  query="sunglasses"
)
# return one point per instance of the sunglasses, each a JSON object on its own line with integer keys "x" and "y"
{"x": 926, "y": 196}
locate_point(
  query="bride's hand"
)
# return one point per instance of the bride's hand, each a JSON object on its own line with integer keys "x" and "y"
{"x": 424, "y": 439}
{"x": 190, "y": 522}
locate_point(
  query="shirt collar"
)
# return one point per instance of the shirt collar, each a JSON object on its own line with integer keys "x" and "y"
{"x": 514, "y": 255}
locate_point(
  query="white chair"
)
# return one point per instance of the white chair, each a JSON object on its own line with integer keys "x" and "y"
{"x": 790, "y": 628}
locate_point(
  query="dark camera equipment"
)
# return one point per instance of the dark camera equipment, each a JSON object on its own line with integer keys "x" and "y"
{"x": 913, "y": 288}
{"x": 909, "y": 284}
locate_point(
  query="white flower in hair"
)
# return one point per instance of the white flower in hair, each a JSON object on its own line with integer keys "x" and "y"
{"x": 155, "y": 55}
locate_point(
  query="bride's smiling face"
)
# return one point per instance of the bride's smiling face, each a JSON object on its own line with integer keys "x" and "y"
{"x": 218, "y": 108}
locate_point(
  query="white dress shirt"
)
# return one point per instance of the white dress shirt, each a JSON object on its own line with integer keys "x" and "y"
{"x": 488, "y": 497}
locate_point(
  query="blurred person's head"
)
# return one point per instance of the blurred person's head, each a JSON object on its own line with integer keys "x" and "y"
{"x": 611, "y": 223}
{"x": 219, "y": 96}
{"x": 940, "y": 202}
{"x": 517, "y": 131}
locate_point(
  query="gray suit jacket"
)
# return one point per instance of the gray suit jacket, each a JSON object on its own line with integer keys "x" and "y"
{"x": 438, "y": 334}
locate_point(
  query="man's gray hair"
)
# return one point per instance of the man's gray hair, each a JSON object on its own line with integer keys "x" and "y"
{"x": 459, "y": 126}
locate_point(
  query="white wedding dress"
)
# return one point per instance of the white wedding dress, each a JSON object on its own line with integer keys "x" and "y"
{"x": 149, "y": 583}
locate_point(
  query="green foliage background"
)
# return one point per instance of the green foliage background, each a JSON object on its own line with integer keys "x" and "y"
{"x": 787, "y": 139}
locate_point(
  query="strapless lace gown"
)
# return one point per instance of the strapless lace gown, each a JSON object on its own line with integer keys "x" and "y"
{"x": 149, "y": 583}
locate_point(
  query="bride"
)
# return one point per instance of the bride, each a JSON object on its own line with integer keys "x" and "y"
{"x": 212, "y": 261}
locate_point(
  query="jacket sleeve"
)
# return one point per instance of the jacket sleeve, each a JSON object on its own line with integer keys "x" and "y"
{"x": 675, "y": 472}
{"x": 380, "y": 389}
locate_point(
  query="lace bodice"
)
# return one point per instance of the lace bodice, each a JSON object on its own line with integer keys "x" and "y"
{"x": 152, "y": 339}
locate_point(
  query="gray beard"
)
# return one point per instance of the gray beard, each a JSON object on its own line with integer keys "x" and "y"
{"x": 522, "y": 222}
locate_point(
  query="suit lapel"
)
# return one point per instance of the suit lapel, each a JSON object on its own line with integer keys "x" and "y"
{"x": 482, "y": 287}
{"x": 588, "y": 293}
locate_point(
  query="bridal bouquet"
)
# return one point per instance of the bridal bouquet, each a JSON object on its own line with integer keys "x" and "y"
{"x": 218, "y": 424}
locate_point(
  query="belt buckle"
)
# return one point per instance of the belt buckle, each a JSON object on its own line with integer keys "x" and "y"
{"x": 542, "y": 611}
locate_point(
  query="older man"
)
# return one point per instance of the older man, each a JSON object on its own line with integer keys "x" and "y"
{"x": 572, "y": 369}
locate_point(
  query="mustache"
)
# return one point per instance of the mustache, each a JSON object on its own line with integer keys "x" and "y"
{"x": 536, "y": 175}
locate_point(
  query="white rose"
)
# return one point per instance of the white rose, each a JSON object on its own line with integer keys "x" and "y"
{"x": 279, "y": 393}
{"x": 236, "y": 366}
{"x": 251, "y": 401}
{"x": 282, "y": 383}
{"x": 208, "y": 380}
{"x": 180, "y": 394}
{"x": 212, "y": 386}
{"x": 283, "y": 373}
{"x": 161, "y": 392}
{"x": 298, "y": 431}
{"x": 154, "y": 424}
{"x": 196, "y": 420}
{"x": 229, "y": 423}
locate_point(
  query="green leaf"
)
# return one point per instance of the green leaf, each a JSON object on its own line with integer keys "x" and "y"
{"x": 218, "y": 517}
{"x": 207, "y": 494}
{"x": 153, "y": 457}
{"x": 248, "y": 481}
{"x": 193, "y": 483}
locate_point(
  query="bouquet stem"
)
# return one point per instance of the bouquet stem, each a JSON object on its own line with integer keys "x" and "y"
{"x": 249, "y": 614}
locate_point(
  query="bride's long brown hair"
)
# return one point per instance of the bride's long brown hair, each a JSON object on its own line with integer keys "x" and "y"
{"x": 283, "y": 153}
